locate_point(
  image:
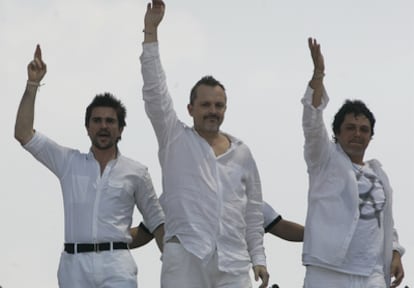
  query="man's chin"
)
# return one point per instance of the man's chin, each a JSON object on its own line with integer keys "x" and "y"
{"x": 105, "y": 146}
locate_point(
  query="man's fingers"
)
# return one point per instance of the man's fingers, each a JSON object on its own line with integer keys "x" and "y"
{"x": 37, "y": 65}
{"x": 157, "y": 3}
{"x": 310, "y": 42}
{"x": 37, "y": 61}
{"x": 38, "y": 52}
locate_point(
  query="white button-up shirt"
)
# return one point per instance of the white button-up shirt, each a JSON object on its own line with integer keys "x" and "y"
{"x": 209, "y": 202}
{"x": 333, "y": 198}
{"x": 98, "y": 208}
{"x": 270, "y": 216}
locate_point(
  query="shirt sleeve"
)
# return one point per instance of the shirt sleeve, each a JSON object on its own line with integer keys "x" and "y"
{"x": 254, "y": 217}
{"x": 158, "y": 102}
{"x": 316, "y": 135}
{"x": 271, "y": 217}
{"x": 54, "y": 156}
{"x": 147, "y": 203}
{"x": 396, "y": 246}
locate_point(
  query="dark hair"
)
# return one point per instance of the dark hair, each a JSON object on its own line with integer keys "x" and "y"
{"x": 206, "y": 80}
{"x": 107, "y": 100}
{"x": 356, "y": 107}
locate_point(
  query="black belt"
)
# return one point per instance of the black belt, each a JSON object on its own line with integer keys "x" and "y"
{"x": 93, "y": 247}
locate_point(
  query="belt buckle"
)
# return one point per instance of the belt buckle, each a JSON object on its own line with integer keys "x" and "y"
{"x": 96, "y": 247}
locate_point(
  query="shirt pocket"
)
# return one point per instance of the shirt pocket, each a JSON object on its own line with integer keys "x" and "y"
{"x": 119, "y": 190}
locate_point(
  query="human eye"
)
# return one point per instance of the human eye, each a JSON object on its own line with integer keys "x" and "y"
{"x": 365, "y": 129}
{"x": 350, "y": 127}
{"x": 220, "y": 105}
{"x": 96, "y": 120}
{"x": 110, "y": 120}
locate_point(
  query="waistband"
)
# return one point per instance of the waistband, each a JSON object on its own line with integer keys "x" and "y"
{"x": 73, "y": 248}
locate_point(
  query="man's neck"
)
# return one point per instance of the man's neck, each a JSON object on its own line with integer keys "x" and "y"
{"x": 103, "y": 156}
{"x": 218, "y": 141}
{"x": 357, "y": 160}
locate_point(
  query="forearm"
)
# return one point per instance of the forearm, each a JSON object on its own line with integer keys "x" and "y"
{"x": 23, "y": 130}
{"x": 316, "y": 83}
{"x": 140, "y": 237}
{"x": 159, "y": 237}
{"x": 317, "y": 140}
{"x": 255, "y": 230}
{"x": 288, "y": 230}
{"x": 158, "y": 102}
{"x": 150, "y": 34}
{"x": 254, "y": 237}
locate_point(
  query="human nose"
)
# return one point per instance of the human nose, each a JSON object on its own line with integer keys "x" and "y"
{"x": 212, "y": 109}
{"x": 103, "y": 123}
{"x": 358, "y": 132}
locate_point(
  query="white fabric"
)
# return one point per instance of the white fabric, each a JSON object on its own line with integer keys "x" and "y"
{"x": 269, "y": 214}
{"x": 98, "y": 208}
{"x": 109, "y": 269}
{"x": 333, "y": 198}
{"x": 182, "y": 269}
{"x": 368, "y": 237}
{"x": 210, "y": 202}
{"x": 317, "y": 277}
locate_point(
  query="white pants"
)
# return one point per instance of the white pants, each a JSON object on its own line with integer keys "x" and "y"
{"x": 104, "y": 269}
{"x": 317, "y": 277}
{"x": 182, "y": 269}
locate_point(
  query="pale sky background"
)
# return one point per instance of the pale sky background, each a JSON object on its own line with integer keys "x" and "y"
{"x": 257, "y": 48}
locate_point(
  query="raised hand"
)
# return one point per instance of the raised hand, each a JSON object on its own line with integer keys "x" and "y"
{"x": 153, "y": 16}
{"x": 317, "y": 57}
{"x": 36, "y": 69}
{"x": 316, "y": 83}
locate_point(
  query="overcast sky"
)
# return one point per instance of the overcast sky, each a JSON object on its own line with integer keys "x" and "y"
{"x": 257, "y": 49}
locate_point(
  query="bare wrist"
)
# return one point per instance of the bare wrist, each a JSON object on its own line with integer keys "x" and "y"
{"x": 32, "y": 83}
{"x": 318, "y": 74}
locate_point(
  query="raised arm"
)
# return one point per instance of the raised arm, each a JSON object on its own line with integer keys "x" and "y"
{"x": 316, "y": 83}
{"x": 36, "y": 70}
{"x": 159, "y": 237}
{"x": 153, "y": 17}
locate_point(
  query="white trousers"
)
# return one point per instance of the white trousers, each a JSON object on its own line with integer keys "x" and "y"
{"x": 182, "y": 269}
{"x": 106, "y": 269}
{"x": 317, "y": 277}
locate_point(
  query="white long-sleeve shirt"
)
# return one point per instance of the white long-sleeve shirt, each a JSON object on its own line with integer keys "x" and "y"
{"x": 98, "y": 208}
{"x": 270, "y": 216}
{"x": 333, "y": 198}
{"x": 209, "y": 202}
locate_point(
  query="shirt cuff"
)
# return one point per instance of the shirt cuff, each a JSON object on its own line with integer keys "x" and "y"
{"x": 307, "y": 98}
{"x": 150, "y": 49}
{"x": 272, "y": 224}
{"x": 397, "y": 247}
{"x": 36, "y": 143}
